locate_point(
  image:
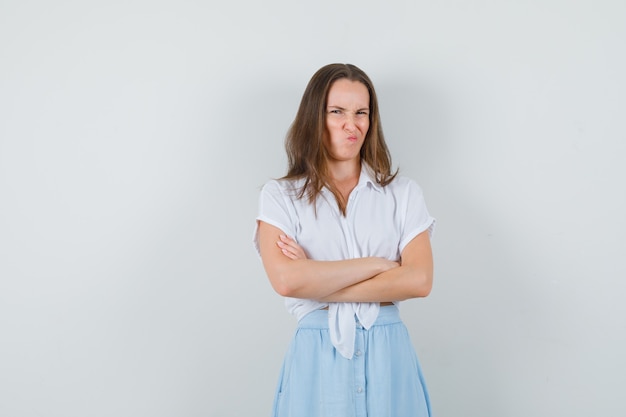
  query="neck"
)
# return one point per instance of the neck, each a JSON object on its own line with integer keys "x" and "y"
{"x": 344, "y": 171}
{"x": 344, "y": 177}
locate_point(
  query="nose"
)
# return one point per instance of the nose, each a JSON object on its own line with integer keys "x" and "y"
{"x": 349, "y": 124}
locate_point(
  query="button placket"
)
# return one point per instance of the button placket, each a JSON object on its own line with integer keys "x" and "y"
{"x": 358, "y": 363}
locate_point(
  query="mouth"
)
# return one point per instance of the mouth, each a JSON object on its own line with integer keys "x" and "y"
{"x": 352, "y": 138}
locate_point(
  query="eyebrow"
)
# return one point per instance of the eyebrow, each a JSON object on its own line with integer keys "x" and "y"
{"x": 341, "y": 108}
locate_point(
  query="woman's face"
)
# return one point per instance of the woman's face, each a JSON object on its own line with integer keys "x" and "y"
{"x": 347, "y": 119}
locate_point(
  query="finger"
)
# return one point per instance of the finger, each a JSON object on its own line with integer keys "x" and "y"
{"x": 289, "y": 255}
{"x": 287, "y": 250}
{"x": 293, "y": 244}
{"x": 288, "y": 240}
{"x": 288, "y": 244}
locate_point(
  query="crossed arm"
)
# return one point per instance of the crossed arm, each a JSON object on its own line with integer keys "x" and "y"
{"x": 369, "y": 279}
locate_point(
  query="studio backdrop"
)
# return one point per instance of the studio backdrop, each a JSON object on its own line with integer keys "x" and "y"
{"x": 135, "y": 137}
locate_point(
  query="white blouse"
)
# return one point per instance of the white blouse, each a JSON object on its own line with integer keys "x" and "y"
{"x": 380, "y": 221}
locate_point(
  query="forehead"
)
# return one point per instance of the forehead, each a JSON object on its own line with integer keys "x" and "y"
{"x": 347, "y": 91}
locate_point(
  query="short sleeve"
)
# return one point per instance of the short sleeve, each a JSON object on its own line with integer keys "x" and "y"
{"x": 416, "y": 216}
{"x": 274, "y": 208}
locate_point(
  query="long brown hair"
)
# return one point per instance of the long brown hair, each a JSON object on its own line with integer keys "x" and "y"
{"x": 306, "y": 153}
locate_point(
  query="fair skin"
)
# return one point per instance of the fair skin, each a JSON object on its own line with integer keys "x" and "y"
{"x": 347, "y": 123}
{"x": 369, "y": 279}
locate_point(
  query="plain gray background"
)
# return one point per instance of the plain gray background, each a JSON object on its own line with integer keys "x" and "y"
{"x": 134, "y": 139}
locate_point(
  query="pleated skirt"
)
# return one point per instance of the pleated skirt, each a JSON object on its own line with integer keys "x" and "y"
{"x": 382, "y": 379}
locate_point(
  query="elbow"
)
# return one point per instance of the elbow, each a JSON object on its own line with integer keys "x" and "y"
{"x": 420, "y": 291}
{"x": 424, "y": 291}
{"x": 422, "y": 284}
{"x": 283, "y": 290}
{"x": 288, "y": 280}
{"x": 284, "y": 285}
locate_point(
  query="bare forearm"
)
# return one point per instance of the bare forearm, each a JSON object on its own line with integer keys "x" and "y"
{"x": 306, "y": 278}
{"x": 292, "y": 274}
{"x": 394, "y": 285}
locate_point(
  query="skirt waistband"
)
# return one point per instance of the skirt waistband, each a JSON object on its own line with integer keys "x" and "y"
{"x": 318, "y": 319}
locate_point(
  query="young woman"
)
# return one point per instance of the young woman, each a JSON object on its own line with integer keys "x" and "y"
{"x": 344, "y": 240}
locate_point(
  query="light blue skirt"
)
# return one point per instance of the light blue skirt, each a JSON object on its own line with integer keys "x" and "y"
{"x": 383, "y": 378}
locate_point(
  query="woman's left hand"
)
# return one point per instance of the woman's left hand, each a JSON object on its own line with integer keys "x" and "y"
{"x": 290, "y": 248}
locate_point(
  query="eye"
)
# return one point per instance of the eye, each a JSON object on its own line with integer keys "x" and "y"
{"x": 335, "y": 111}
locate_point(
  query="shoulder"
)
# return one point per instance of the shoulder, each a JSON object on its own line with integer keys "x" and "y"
{"x": 282, "y": 186}
{"x": 401, "y": 185}
{"x": 288, "y": 190}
